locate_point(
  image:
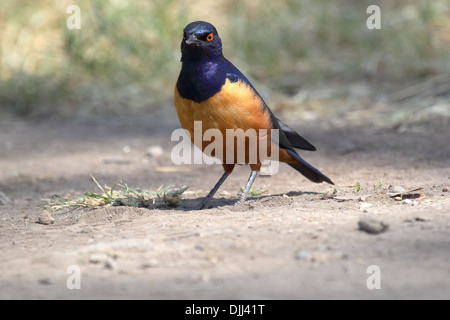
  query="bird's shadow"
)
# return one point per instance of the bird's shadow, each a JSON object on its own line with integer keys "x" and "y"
{"x": 191, "y": 204}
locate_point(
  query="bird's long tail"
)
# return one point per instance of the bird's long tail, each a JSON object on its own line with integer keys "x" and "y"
{"x": 308, "y": 170}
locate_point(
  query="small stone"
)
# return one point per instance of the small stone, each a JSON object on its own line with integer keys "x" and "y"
{"x": 109, "y": 264}
{"x": 45, "y": 281}
{"x": 150, "y": 264}
{"x": 445, "y": 189}
{"x": 97, "y": 258}
{"x": 86, "y": 230}
{"x": 126, "y": 149}
{"x": 372, "y": 225}
{"x": 302, "y": 255}
{"x": 45, "y": 218}
{"x": 394, "y": 191}
{"x": 155, "y": 151}
{"x": 330, "y": 194}
{"x": 200, "y": 246}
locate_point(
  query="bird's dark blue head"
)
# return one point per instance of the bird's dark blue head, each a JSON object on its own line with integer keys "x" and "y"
{"x": 200, "y": 41}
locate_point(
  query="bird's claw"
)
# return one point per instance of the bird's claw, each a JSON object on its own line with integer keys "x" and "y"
{"x": 204, "y": 204}
{"x": 240, "y": 201}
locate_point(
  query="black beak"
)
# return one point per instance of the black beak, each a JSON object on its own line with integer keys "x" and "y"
{"x": 192, "y": 39}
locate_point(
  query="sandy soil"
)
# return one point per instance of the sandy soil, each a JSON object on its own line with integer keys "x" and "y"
{"x": 292, "y": 242}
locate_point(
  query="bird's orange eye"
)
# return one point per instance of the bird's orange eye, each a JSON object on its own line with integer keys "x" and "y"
{"x": 209, "y": 37}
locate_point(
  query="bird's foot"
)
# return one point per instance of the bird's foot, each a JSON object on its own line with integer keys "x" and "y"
{"x": 242, "y": 201}
{"x": 204, "y": 204}
{"x": 242, "y": 198}
{"x": 244, "y": 205}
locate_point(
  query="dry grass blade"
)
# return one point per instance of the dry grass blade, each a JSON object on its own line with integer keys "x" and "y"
{"x": 120, "y": 195}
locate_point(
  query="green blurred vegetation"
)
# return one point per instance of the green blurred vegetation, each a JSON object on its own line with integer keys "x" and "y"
{"x": 321, "y": 38}
{"x": 126, "y": 56}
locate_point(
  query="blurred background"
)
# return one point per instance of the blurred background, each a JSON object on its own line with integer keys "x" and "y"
{"x": 311, "y": 59}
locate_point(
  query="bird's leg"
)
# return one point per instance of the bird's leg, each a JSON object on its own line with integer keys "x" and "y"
{"x": 248, "y": 186}
{"x": 205, "y": 202}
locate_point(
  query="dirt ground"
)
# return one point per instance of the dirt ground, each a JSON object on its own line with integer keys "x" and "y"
{"x": 298, "y": 240}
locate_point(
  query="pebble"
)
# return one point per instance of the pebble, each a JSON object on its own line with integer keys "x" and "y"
{"x": 372, "y": 225}
{"x": 302, "y": 255}
{"x": 97, "y": 258}
{"x": 45, "y": 218}
{"x": 126, "y": 149}
{"x": 45, "y": 281}
{"x": 200, "y": 246}
{"x": 150, "y": 264}
{"x": 110, "y": 264}
{"x": 394, "y": 191}
{"x": 103, "y": 259}
{"x": 330, "y": 194}
{"x": 155, "y": 151}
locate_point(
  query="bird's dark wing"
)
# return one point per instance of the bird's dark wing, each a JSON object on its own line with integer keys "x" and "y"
{"x": 288, "y": 138}
{"x": 296, "y": 140}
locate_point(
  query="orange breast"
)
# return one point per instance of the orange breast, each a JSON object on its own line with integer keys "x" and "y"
{"x": 236, "y": 106}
